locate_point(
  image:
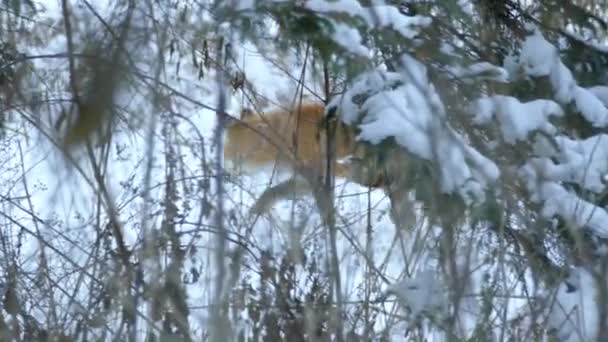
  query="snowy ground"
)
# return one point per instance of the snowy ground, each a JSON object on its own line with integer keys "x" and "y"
{"x": 65, "y": 195}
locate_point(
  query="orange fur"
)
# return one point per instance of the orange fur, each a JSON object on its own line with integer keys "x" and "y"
{"x": 297, "y": 140}
{"x": 282, "y": 138}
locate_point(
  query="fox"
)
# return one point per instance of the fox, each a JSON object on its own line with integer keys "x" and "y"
{"x": 281, "y": 138}
{"x": 296, "y": 139}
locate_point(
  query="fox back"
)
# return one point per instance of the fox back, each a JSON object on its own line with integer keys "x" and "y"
{"x": 280, "y": 138}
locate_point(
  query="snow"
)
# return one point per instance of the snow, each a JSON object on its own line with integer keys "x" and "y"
{"x": 516, "y": 119}
{"x": 574, "y": 313}
{"x": 378, "y": 16}
{"x": 584, "y": 162}
{"x": 557, "y": 162}
{"x": 591, "y": 107}
{"x": 480, "y": 71}
{"x": 243, "y": 5}
{"x": 578, "y": 212}
{"x": 402, "y": 105}
{"x": 390, "y": 17}
{"x": 375, "y": 16}
{"x": 599, "y": 46}
{"x": 467, "y": 6}
{"x": 410, "y": 111}
{"x": 557, "y": 201}
{"x": 601, "y": 92}
{"x": 350, "y": 39}
{"x": 393, "y": 106}
{"x": 350, "y": 7}
{"x": 540, "y": 58}
{"x": 421, "y": 293}
{"x": 563, "y": 83}
{"x": 372, "y": 82}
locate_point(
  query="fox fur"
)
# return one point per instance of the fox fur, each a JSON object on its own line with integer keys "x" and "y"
{"x": 285, "y": 138}
{"x": 297, "y": 140}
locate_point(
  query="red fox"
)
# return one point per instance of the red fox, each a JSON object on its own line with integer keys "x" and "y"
{"x": 281, "y": 138}
{"x": 296, "y": 139}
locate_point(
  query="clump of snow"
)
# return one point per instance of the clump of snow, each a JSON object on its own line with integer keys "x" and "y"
{"x": 350, "y": 39}
{"x": 352, "y": 8}
{"x": 468, "y": 7}
{"x": 244, "y": 5}
{"x": 390, "y": 17}
{"x": 601, "y": 92}
{"x": 559, "y": 160}
{"x": 563, "y": 82}
{"x": 415, "y": 73}
{"x": 375, "y": 16}
{"x": 480, "y": 71}
{"x": 540, "y": 58}
{"x": 406, "y": 107}
{"x": 574, "y": 314}
{"x": 559, "y": 202}
{"x": 378, "y": 16}
{"x": 516, "y": 119}
{"x": 582, "y": 161}
{"x": 422, "y": 293}
{"x": 591, "y": 107}
{"x": 367, "y": 83}
{"x": 387, "y": 107}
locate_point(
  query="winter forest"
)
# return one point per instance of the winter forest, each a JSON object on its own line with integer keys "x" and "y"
{"x": 306, "y": 170}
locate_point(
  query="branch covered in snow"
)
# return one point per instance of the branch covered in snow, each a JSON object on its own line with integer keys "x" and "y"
{"x": 405, "y": 106}
{"x": 345, "y": 32}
